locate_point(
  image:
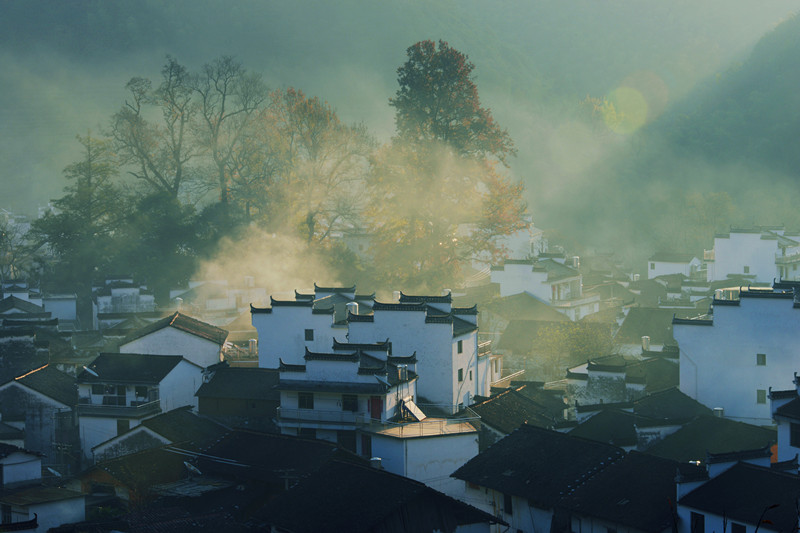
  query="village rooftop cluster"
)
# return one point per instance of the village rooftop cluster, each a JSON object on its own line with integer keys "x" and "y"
{"x": 473, "y": 409}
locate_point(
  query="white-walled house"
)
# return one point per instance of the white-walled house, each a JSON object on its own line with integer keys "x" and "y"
{"x": 26, "y": 503}
{"x": 199, "y": 342}
{"x": 761, "y": 254}
{"x": 550, "y": 281}
{"x": 731, "y": 359}
{"x": 117, "y": 391}
{"x": 332, "y": 394}
{"x": 452, "y": 366}
{"x": 664, "y": 263}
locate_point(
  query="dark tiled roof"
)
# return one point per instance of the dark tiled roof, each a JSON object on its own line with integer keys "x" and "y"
{"x": 384, "y": 346}
{"x": 657, "y": 374}
{"x": 183, "y": 426}
{"x": 24, "y": 306}
{"x": 670, "y": 404}
{"x": 791, "y": 409}
{"x": 406, "y": 298}
{"x": 266, "y": 457}
{"x": 557, "y": 271}
{"x": 183, "y": 323}
{"x": 612, "y": 426}
{"x": 241, "y": 383}
{"x": 8, "y": 449}
{"x": 129, "y": 368}
{"x": 140, "y": 471}
{"x": 538, "y": 464}
{"x": 711, "y": 434}
{"x": 53, "y": 383}
{"x": 508, "y": 410}
{"x": 381, "y": 306}
{"x": 351, "y": 289}
{"x": 351, "y": 357}
{"x": 462, "y": 327}
{"x": 366, "y": 499}
{"x": 648, "y": 321}
{"x": 747, "y": 493}
{"x": 635, "y": 491}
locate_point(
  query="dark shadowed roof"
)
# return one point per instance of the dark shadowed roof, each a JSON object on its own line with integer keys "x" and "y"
{"x": 129, "y": 368}
{"x": 142, "y": 470}
{"x": 656, "y": 373}
{"x": 524, "y": 306}
{"x": 367, "y": 499}
{"x": 745, "y": 491}
{"x": 670, "y": 404}
{"x": 53, "y": 383}
{"x": 612, "y": 426}
{"x": 183, "y": 426}
{"x": 538, "y": 464}
{"x": 269, "y": 457}
{"x": 649, "y": 321}
{"x": 23, "y": 306}
{"x": 635, "y": 491}
{"x": 183, "y": 323}
{"x": 714, "y": 435}
{"x": 790, "y": 409}
{"x": 242, "y": 383}
{"x": 508, "y": 410}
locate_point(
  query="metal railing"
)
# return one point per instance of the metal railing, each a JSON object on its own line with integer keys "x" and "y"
{"x": 322, "y": 416}
{"x": 126, "y": 411}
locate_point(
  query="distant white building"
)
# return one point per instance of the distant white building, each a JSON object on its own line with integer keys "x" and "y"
{"x": 761, "y": 254}
{"x": 663, "y": 264}
{"x": 730, "y": 359}
{"x": 553, "y": 282}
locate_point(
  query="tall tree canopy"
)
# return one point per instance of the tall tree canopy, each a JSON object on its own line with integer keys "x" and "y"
{"x": 438, "y": 100}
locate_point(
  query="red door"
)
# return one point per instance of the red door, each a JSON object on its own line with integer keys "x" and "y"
{"x": 375, "y": 407}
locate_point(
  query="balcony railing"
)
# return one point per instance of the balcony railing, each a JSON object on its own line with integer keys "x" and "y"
{"x": 124, "y": 411}
{"x": 321, "y": 416}
{"x": 790, "y": 257}
{"x": 484, "y": 348}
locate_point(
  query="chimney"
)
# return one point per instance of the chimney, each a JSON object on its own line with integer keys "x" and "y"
{"x": 179, "y": 302}
{"x": 645, "y": 343}
{"x": 576, "y": 261}
{"x": 252, "y": 346}
{"x": 719, "y": 412}
{"x": 396, "y": 296}
{"x": 352, "y": 308}
{"x": 376, "y": 463}
{"x": 446, "y": 292}
{"x": 402, "y": 372}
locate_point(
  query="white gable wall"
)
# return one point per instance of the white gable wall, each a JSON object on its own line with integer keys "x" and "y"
{"x": 281, "y": 334}
{"x": 718, "y": 365}
{"x": 736, "y": 251}
{"x": 172, "y": 341}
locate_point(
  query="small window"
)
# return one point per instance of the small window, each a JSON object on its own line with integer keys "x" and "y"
{"x": 460, "y": 346}
{"x": 141, "y": 392}
{"x": 738, "y": 528}
{"x": 309, "y": 334}
{"x": 794, "y": 435}
{"x": 761, "y": 359}
{"x": 746, "y": 269}
{"x": 761, "y": 396}
{"x": 123, "y": 426}
{"x": 305, "y": 400}
{"x": 349, "y": 402}
{"x": 470, "y": 375}
{"x": 98, "y": 390}
{"x": 460, "y": 375}
{"x": 507, "y": 504}
{"x": 794, "y": 266}
{"x": 652, "y": 266}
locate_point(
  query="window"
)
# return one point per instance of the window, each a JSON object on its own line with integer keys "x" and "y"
{"x": 305, "y": 400}
{"x": 507, "y": 504}
{"x": 746, "y": 269}
{"x": 141, "y": 392}
{"x": 460, "y": 346}
{"x": 460, "y": 375}
{"x": 470, "y": 375}
{"x": 98, "y": 390}
{"x": 349, "y": 402}
{"x": 697, "y": 523}
{"x": 794, "y": 435}
{"x": 652, "y": 266}
{"x": 6, "y": 514}
{"x": 309, "y": 334}
{"x": 123, "y": 426}
{"x": 761, "y": 359}
{"x": 738, "y": 528}
{"x": 761, "y": 396}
